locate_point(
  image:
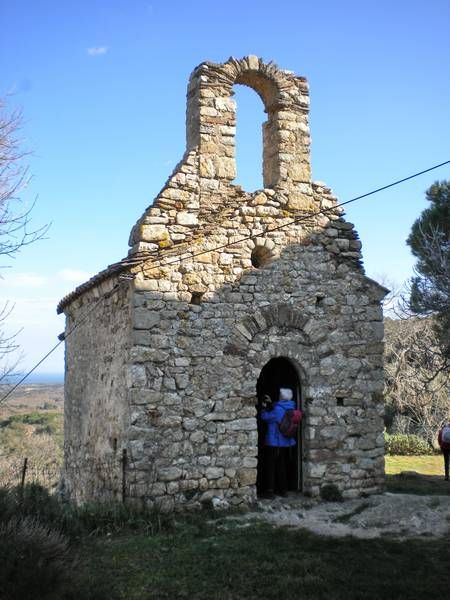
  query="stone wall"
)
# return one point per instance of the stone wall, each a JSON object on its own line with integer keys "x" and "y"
{"x": 96, "y": 413}
{"x": 193, "y": 402}
{"x": 222, "y": 281}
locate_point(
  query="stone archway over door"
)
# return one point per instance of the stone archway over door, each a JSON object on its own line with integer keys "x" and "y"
{"x": 279, "y": 372}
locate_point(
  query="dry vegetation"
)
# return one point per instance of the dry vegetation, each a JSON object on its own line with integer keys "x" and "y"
{"x": 31, "y": 426}
{"x": 416, "y": 379}
{"x": 28, "y": 398}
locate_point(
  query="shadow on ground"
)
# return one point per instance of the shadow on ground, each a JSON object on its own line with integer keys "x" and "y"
{"x": 411, "y": 482}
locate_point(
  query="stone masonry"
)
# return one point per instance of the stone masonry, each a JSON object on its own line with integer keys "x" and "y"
{"x": 170, "y": 342}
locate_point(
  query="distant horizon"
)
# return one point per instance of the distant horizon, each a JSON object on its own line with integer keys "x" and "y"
{"x": 35, "y": 378}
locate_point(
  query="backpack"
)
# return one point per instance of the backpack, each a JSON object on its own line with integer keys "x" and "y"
{"x": 288, "y": 426}
{"x": 446, "y": 434}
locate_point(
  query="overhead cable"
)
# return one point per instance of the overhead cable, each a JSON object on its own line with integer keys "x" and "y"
{"x": 222, "y": 247}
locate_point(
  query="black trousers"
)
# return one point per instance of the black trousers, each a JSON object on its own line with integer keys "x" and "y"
{"x": 277, "y": 469}
{"x": 446, "y": 454}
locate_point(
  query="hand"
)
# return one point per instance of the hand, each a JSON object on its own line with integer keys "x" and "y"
{"x": 266, "y": 402}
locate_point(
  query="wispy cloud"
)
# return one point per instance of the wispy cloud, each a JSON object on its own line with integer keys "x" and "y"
{"x": 37, "y": 311}
{"x": 97, "y": 50}
{"x": 20, "y": 87}
{"x": 30, "y": 280}
{"x": 74, "y": 276}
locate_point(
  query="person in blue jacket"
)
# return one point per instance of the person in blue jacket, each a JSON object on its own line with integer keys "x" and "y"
{"x": 277, "y": 445}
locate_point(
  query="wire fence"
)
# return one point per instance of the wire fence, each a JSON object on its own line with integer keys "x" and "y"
{"x": 19, "y": 471}
{"x": 99, "y": 477}
{"x": 112, "y": 476}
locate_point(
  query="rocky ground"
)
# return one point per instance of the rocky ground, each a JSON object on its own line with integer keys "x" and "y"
{"x": 394, "y": 515}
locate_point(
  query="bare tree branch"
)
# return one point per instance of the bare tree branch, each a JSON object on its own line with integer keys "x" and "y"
{"x": 15, "y": 231}
{"x": 416, "y": 381}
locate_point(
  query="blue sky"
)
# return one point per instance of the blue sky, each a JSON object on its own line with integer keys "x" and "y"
{"x": 102, "y": 86}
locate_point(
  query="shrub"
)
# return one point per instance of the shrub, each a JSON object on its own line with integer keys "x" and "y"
{"x": 331, "y": 493}
{"x": 50, "y": 422}
{"x": 38, "y": 563}
{"x": 34, "y": 501}
{"x": 406, "y": 445}
{"x": 35, "y": 559}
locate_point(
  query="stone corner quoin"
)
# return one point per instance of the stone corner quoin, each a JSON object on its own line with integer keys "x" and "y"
{"x": 226, "y": 295}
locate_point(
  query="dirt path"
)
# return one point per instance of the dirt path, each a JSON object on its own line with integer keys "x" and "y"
{"x": 395, "y": 515}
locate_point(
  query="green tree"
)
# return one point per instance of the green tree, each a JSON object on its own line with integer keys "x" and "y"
{"x": 429, "y": 241}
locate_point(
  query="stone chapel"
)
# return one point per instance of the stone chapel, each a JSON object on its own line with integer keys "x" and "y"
{"x": 225, "y": 296}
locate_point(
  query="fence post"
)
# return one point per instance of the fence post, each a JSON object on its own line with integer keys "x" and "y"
{"x": 24, "y": 472}
{"x": 124, "y": 472}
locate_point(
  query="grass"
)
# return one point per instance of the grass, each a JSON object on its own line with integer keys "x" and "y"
{"x": 226, "y": 561}
{"x": 422, "y": 475}
{"x": 198, "y": 559}
{"x": 202, "y": 556}
{"x": 206, "y": 555}
{"x": 427, "y": 465}
{"x": 40, "y": 537}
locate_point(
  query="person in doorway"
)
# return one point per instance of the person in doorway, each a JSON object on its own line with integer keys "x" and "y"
{"x": 444, "y": 443}
{"x": 276, "y": 444}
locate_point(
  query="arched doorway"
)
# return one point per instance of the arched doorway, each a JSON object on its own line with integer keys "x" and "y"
{"x": 277, "y": 373}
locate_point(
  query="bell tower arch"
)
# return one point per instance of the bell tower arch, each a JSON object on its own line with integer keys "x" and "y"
{"x": 211, "y": 120}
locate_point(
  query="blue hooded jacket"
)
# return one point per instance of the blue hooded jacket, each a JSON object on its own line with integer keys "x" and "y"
{"x": 272, "y": 417}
